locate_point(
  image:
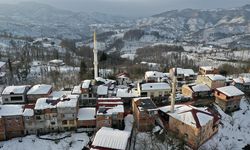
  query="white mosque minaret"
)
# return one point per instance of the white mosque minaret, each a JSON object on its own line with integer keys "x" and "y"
{"x": 95, "y": 57}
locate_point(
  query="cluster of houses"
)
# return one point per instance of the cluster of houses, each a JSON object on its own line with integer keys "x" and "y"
{"x": 100, "y": 106}
{"x": 189, "y": 120}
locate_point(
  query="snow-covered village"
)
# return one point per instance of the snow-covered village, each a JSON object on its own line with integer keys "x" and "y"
{"x": 158, "y": 78}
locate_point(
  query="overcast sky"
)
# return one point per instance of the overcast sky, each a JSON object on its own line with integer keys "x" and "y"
{"x": 135, "y": 8}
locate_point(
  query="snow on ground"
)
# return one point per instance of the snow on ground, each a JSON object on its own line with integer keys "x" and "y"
{"x": 234, "y": 132}
{"x": 150, "y": 141}
{"x": 129, "y": 56}
{"x": 129, "y": 120}
{"x": 77, "y": 142}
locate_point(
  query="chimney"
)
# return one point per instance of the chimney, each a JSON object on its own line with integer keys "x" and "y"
{"x": 173, "y": 91}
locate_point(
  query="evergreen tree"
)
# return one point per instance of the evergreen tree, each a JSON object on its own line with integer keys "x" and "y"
{"x": 83, "y": 69}
{"x": 103, "y": 57}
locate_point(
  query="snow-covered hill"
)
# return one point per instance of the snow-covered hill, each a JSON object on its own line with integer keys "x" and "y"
{"x": 199, "y": 24}
{"x": 34, "y": 19}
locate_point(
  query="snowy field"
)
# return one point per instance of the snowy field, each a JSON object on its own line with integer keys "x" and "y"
{"x": 76, "y": 142}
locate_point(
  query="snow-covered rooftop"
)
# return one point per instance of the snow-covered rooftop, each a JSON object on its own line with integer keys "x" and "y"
{"x": 102, "y": 90}
{"x": 111, "y": 110}
{"x": 207, "y": 68}
{"x": 40, "y": 89}
{"x": 200, "y": 88}
{"x": 45, "y": 103}
{"x": 188, "y": 72}
{"x": 155, "y": 74}
{"x": 111, "y": 138}
{"x": 126, "y": 93}
{"x": 180, "y": 71}
{"x": 85, "y": 84}
{"x": 11, "y": 110}
{"x": 2, "y": 64}
{"x": 106, "y": 81}
{"x": 155, "y": 86}
{"x": 188, "y": 114}
{"x": 87, "y": 113}
{"x": 230, "y": 91}
{"x": 145, "y": 103}
{"x": 2, "y": 74}
{"x": 28, "y": 112}
{"x": 58, "y": 94}
{"x": 76, "y": 90}
{"x": 109, "y": 99}
{"x": 122, "y": 76}
{"x": 67, "y": 102}
{"x": 15, "y": 89}
{"x": 56, "y": 61}
{"x": 216, "y": 77}
{"x": 242, "y": 80}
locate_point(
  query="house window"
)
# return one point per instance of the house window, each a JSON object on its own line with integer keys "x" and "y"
{"x": 38, "y": 118}
{"x": 106, "y": 122}
{"x": 144, "y": 94}
{"x": 64, "y": 122}
{"x": 151, "y": 94}
{"x": 185, "y": 136}
{"x": 160, "y": 93}
{"x": 151, "y": 113}
{"x": 16, "y": 98}
{"x": 142, "y": 114}
{"x": 114, "y": 115}
{"x": 71, "y": 122}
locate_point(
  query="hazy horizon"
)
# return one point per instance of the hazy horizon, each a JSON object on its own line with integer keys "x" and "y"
{"x": 134, "y": 8}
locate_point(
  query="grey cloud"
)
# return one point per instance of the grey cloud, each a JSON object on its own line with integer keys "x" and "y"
{"x": 136, "y": 7}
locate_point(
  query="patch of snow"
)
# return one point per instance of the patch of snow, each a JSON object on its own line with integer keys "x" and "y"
{"x": 76, "y": 142}
{"x": 129, "y": 120}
